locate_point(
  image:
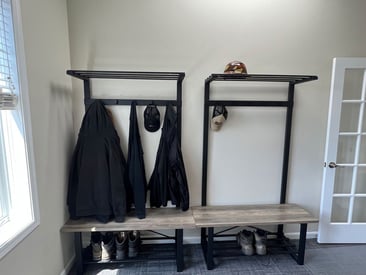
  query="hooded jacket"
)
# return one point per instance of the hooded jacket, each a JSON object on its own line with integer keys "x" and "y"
{"x": 97, "y": 174}
{"x": 136, "y": 186}
{"x": 168, "y": 180}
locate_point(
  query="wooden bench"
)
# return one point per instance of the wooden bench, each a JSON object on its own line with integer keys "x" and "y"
{"x": 209, "y": 217}
{"x": 156, "y": 219}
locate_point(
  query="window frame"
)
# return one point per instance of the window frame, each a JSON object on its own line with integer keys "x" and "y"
{"x": 12, "y": 242}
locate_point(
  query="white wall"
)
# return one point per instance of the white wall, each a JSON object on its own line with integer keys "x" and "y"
{"x": 47, "y": 251}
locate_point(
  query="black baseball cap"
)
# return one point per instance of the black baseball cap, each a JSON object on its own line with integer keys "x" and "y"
{"x": 151, "y": 118}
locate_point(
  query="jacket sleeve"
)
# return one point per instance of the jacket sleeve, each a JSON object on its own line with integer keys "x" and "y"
{"x": 117, "y": 167}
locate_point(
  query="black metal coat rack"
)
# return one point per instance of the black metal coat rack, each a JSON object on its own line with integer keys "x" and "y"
{"x": 292, "y": 80}
{"x": 87, "y": 75}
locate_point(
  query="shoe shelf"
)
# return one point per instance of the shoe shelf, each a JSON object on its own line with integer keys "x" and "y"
{"x": 147, "y": 252}
{"x": 210, "y": 217}
{"x": 156, "y": 219}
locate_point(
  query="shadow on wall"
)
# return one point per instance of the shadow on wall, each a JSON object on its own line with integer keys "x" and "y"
{"x": 60, "y": 147}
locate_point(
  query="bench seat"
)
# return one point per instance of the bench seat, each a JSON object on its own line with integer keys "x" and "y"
{"x": 156, "y": 218}
{"x": 243, "y": 215}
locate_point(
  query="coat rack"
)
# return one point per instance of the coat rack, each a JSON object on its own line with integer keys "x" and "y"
{"x": 87, "y": 75}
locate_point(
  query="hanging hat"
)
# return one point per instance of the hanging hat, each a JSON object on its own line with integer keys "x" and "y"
{"x": 219, "y": 116}
{"x": 151, "y": 118}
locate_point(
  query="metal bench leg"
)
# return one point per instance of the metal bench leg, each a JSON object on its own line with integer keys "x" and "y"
{"x": 78, "y": 253}
{"x": 302, "y": 242}
{"x": 179, "y": 249}
{"x": 209, "y": 249}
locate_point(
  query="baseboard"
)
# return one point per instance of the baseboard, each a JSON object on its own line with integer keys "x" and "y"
{"x": 68, "y": 266}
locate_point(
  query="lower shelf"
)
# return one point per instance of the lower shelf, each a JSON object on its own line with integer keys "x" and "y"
{"x": 147, "y": 252}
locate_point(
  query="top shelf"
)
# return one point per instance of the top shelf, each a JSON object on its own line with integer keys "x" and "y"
{"x": 293, "y": 79}
{"x": 86, "y": 75}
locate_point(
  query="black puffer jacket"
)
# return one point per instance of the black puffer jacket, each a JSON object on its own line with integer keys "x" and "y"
{"x": 97, "y": 175}
{"x": 168, "y": 180}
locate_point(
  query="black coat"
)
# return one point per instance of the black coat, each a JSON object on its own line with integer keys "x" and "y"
{"x": 97, "y": 175}
{"x": 136, "y": 186}
{"x": 168, "y": 180}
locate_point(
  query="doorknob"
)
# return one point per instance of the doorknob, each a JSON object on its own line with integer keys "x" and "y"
{"x": 332, "y": 164}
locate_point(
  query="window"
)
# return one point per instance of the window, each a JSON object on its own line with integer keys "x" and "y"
{"x": 19, "y": 213}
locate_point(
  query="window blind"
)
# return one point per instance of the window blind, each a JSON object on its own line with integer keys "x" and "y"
{"x": 8, "y": 99}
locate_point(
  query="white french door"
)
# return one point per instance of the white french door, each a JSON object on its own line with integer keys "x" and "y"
{"x": 343, "y": 203}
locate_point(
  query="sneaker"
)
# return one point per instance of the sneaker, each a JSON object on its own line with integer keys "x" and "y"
{"x": 134, "y": 242}
{"x": 260, "y": 242}
{"x": 96, "y": 245}
{"x": 245, "y": 240}
{"x": 121, "y": 240}
{"x": 107, "y": 246}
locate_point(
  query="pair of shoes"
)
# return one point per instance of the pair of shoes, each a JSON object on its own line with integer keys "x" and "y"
{"x": 102, "y": 246}
{"x": 252, "y": 242}
{"x": 127, "y": 244}
{"x": 118, "y": 245}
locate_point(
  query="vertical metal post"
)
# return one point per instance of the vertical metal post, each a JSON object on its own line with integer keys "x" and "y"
{"x": 205, "y": 144}
{"x": 179, "y": 110}
{"x": 86, "y": 92}
{"x": 302, "y": 243}
{"x": 78, "y": 253}
{"x": 209, "y": 251}
{"x": 286, "y": 152}
{"x": 179, "y": 249}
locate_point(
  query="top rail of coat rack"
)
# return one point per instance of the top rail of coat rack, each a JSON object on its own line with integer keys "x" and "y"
{"x": 86, "y": 75}
{"x": 292, "y": 79}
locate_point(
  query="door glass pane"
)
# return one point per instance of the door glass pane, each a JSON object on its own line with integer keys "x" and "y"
{"x": 346, "y": 149}
{"x": 359, "y": 213}
{"x": 343, "y": 180}
{"x": 361, "y": 180}
{"x": 349, "y": 117}
{"x": 362, "y": 153}
{"x": 364, "y": 121}
{"x": 340, "y": 209}
{"x": 352, "y": 83}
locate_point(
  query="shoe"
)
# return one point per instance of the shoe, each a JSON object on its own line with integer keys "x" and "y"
{"x": 96, "y": 245}
{"x": 245, "y": 240}
{"x": 107, "y": 246}
{"x": 121, "y": 240}
{"x": 260, "y": 237}
{"x": 134, "y": 242}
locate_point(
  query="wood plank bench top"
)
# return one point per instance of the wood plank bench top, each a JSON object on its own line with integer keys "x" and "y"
{"x": 244, "y": 215}
{"x": 156, "y": 218}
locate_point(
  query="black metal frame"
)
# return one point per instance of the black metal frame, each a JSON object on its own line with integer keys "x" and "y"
{"x": 207, "y": 234}
{"x": 86, "y": 76}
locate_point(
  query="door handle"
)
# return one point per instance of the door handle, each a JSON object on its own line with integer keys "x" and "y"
{"x": 332, "y": 164}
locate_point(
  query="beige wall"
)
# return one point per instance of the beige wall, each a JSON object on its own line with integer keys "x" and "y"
{"x": 46, "y": 251}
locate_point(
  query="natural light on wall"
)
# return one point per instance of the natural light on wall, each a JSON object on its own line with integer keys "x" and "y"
{"x": 19, "y": 213}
